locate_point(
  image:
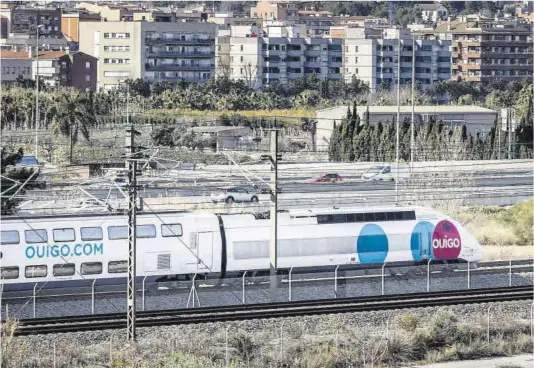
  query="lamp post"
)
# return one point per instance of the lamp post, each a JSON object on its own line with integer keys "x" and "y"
{"x": 37, "y": 91}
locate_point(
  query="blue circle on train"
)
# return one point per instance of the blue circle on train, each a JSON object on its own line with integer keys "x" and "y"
{"x": 372, "y": 244}
{"x": 421, "y": 241}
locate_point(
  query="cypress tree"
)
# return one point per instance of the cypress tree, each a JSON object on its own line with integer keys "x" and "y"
{"x": 334, "y": 146}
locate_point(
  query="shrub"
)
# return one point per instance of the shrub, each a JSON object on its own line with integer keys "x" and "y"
{"x": 406, "y": 321}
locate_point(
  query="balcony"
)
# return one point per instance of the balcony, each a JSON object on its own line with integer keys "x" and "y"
{"x": 178, "y": 67}
{"x": 177, "y": 41}
{"x": 181, "y": 54}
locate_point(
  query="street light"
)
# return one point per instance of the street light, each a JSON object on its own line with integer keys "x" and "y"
{"x": 37, "y": 91}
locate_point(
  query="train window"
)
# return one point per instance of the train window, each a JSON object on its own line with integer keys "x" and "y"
{"x": 171, "y": 230}
{"x": 36, "y": 271}
{"x": 64, "y": 269}
{"x": 340, "y": 218}
{"x": 36, "y": 236}
{"x": 351, "y": 217}
{"x": 369, "y": 217}
{"x": 324, "y": 219}
{"x": 117, "y": 232}
{"x": 145, "y": 231}
{"x": 358, "y": 217}
{"x": 118, "y": 267}
{"x": 409, "y": 215}
{"x": 10, "y": 237}
{"x": 64, "y": 235}
{"x": 91, "y": 268}
{"x": 9, "y": 273}
{"x": 91, "y": 233}
{"x": 380, "y": 216}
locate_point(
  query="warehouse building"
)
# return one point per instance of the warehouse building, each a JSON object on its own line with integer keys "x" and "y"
{"x": 477, "y": 119}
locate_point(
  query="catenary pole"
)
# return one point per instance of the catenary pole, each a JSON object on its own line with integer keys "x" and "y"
{"x": 273, "y": 256}
{"x": 132, "y": 213}
{"x": 37, "y": 89}
{"x": 398, "y": 123}
{"x": 412, "y": 133}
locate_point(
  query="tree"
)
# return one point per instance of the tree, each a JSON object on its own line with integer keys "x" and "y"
{"x": 12, "y": 179}
{"x": 310, "y": 126}
{"x": 73, "y": 115}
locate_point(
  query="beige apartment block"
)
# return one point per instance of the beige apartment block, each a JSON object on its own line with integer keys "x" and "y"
{"x": 151, "y": 50}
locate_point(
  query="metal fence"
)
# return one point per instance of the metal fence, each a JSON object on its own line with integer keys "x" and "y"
{"x": 252, "y": 288}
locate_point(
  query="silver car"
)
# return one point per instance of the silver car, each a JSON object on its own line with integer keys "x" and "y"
{"x": 234, "y": 194}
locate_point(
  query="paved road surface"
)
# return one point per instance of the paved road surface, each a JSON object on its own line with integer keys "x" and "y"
{"x": 523, "y": 361}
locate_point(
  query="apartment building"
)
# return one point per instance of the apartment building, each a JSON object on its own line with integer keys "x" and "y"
{"x": 70, "y": 22}
{"x": 278, "y": 53}
{"x": 483, "y": 51}
{"x": 156, "y": 51}
{"x": 56, "y": 68}
{"x": 273, "y": 10}
{"x": 23, "y": 22}
{"x": 374, "y": 59}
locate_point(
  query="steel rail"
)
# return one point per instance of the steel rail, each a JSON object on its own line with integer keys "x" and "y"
{"x": 273, "y": 310}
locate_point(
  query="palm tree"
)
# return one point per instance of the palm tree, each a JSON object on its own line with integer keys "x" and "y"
{"x": 73, "y": 114}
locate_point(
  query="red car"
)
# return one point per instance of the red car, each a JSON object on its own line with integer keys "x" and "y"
{"x": 327, "y": 178}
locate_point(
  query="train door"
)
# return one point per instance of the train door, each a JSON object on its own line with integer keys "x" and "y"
{"x": 205, "y": 250}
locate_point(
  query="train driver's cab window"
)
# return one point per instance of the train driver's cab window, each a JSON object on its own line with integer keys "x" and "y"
{"x": 91, "y": 233}
{"x": 9, "y": 273}
{"x": 91, "y": 268}
{"x": 36, "y": 236}
{"x": 117, "y": 232}
{"x": 36, "y": 271}
{"x": 64, "y": 269}
{"x": 145, "y": 231}
{"x": 171, "y": 230}
{"x": 64, "y": 235}
{"x": 10, "y": 237}
{"x": 118, "y": 267}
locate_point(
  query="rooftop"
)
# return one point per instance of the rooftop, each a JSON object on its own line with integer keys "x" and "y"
{"x": 8, "y": 54}
{"x": 441, "y": 109}
{"x": 430, "y": 7}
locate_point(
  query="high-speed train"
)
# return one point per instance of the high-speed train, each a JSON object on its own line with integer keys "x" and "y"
{"x": 73, "y": 249}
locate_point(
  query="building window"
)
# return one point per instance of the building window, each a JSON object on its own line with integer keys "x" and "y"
{"x": 355, "y": 48}
{"x": 241, "y": 58}
{"x": 356, "y": 60}
{"x": 87, "y": 65}
{"x": 356, "y": 71}
{"x": 241, "y": 47}
{"x": 87, "y": 77}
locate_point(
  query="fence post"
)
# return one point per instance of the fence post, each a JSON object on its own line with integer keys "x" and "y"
{"x": 54, "y": 354}
{"x": 335, "y": 282}
{"x": 468, "y": 275}
{"x": 290, "y": 272}
{"x": 428, "y": 275}
{"x": 34, "y": 298}
{"x": 93, "y": 297}
{"x": 383, "y": 266}
{"x": 510, "y": 274}
{"x": 488, "y": 325}
{"x": 143, "y": 293}
{"x": 244, "y": 295}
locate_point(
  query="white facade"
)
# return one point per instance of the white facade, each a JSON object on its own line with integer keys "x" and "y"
{"x": 276, "y": 54}
{"x": 375, "y": 60}
{"x": 433, "y": 12}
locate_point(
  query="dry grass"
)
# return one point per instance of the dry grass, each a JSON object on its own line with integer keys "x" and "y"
{"x": 495, "y": 253}
{"x": 407, "y": 340}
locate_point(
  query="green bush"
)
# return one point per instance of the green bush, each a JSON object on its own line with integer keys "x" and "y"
{"x": 407, "y": 321}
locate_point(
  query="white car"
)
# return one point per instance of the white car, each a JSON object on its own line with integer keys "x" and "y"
{"x": 386, "y": 173}
{"x": 233, "y": 194}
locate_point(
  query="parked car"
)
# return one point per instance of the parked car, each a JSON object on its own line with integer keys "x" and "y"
{"x": 326, "y": 178}
{"x": 234, "y": 194}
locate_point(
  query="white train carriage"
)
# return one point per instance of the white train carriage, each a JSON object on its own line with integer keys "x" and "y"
{"x": 78, "y": 248}
{"x": 72, "y": 249}
{"x": 347, "y": 236}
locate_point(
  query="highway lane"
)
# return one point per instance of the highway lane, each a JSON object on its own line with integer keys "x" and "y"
{"x": 187, "y": 190}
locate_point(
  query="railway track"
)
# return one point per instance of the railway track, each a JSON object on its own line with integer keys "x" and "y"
{"x": 272, "y": 310}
